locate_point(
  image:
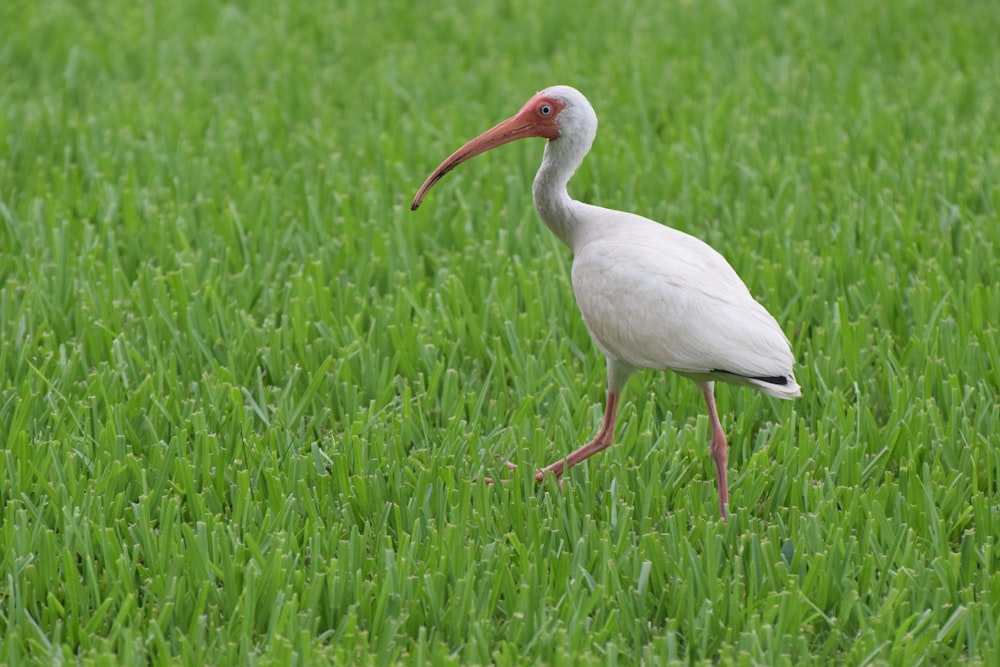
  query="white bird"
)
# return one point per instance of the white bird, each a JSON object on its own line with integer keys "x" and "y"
{"x": 651, "y": 296}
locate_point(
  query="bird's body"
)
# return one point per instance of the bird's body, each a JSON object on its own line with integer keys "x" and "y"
{"x": 643, "y": 287}
{"x": 651, "y": 296}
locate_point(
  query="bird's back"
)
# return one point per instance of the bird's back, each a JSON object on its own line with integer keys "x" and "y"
{"x": 654, "y": 297}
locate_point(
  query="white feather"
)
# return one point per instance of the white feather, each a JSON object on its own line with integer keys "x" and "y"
{"x": 654, "y": 297}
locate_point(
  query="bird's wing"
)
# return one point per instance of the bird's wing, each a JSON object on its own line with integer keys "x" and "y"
{"x": 654, "y": 297}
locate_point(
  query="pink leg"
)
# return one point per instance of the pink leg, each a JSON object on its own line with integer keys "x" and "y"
{"x": 602, "y": 440}
{"x": 717, "y": 448}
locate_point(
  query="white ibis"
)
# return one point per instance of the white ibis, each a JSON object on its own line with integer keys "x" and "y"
{"x": 651, "y": 296}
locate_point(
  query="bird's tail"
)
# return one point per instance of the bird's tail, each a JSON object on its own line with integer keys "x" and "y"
{"x": 778, "y": 386}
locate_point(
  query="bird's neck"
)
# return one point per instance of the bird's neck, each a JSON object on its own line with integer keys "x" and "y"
{"x": 552, "y": 200}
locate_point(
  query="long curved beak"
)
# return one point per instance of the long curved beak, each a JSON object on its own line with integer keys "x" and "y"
{"x": 512, "y": 129}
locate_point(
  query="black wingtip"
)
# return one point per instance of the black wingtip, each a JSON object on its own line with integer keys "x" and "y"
{"x": 772, "y": 379}
{"x": 769, "y": 379}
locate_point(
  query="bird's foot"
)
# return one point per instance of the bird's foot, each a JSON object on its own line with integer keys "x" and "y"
{"x": 539, "y": 475}
{"x": 510, "y": 466}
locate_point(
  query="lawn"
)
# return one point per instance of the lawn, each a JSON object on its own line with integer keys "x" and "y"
{"x": 246, "y": 394}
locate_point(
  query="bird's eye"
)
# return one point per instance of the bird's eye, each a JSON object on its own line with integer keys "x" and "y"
{"x": 545, "y": 109}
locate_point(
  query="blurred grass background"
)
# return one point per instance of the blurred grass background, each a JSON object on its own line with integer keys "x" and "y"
{"x": 244, "y": 391}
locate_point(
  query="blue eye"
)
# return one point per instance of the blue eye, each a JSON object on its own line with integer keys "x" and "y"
{"x": 545, "y": 109}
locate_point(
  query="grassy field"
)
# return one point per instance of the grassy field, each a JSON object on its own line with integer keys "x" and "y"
{"x": 245, "y": 393}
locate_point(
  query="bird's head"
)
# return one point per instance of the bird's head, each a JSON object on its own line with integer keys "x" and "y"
{"x": 560, "y": 114}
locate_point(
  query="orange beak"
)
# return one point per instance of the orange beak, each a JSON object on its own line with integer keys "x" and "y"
{"x": 526, "y": 123}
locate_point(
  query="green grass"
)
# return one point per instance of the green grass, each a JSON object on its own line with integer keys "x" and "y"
{"x": 244, "y": 392}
